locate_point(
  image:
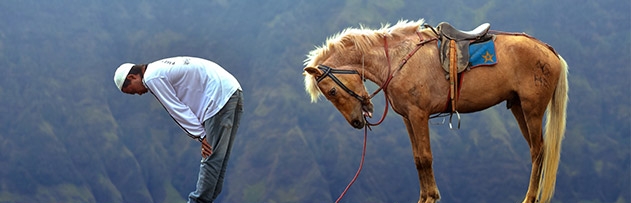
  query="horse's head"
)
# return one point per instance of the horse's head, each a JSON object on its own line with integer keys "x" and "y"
{"x": 344, "y": 88}
{"x": 332, "y": 69}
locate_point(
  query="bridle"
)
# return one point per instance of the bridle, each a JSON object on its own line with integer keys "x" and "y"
{"x": 328, "y": 72}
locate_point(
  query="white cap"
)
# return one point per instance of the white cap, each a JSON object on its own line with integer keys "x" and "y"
{"x": 121, "y": 74}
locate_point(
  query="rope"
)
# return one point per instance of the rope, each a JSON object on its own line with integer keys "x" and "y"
{"x": 361, "y": 165}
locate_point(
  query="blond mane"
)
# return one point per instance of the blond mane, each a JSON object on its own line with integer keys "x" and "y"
{"x": 361, "y": 38}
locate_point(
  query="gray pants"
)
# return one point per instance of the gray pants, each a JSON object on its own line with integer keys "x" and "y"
{"x": 220, "y": 132}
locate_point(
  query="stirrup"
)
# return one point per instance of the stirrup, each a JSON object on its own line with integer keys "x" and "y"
{"x": 450, "y": 115}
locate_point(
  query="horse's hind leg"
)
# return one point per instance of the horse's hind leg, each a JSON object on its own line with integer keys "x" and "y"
{"x": 418, "y": 131}
{"x": 530, "y": 126}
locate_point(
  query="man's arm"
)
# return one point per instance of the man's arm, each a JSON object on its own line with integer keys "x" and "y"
{"x": 181, "y": 113}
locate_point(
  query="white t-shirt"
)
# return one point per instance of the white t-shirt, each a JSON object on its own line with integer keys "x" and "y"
{"x": 190, "y": 89}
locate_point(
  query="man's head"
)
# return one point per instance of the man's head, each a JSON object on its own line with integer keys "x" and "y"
{"x": 128, "y": 79}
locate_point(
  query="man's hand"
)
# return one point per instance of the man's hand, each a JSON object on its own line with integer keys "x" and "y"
{"x": 206, "y": 148}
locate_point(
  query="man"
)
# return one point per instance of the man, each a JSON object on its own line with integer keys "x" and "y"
{"x": 203, "y": 98}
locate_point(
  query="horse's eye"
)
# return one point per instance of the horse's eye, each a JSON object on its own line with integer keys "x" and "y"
{"x": 332, "y": 92}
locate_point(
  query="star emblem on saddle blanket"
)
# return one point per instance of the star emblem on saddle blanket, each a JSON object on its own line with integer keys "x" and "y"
{"x": 488, "y": 57}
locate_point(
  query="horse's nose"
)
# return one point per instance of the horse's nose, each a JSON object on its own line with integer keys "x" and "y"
{"x": 357, "y": 124}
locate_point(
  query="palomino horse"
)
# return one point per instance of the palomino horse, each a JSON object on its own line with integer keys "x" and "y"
{"x": 529, "y": 75}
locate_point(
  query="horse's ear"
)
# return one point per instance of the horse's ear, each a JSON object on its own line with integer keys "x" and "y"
{"x": 313, "y": 71}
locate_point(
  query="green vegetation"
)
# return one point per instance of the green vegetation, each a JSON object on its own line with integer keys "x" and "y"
{"x": 67, "y": 135}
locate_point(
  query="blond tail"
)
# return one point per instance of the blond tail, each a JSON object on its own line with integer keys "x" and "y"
{"x": 555, "y": 130}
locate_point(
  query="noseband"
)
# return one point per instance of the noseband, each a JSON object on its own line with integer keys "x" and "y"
{"x": 328, "y": 71}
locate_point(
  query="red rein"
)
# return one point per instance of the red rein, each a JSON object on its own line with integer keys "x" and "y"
{"x": 391, "y": 74}
{"x": 385, "y": 111}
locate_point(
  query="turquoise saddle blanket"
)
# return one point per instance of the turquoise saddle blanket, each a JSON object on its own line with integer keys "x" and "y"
{"x": 481, "y": 54}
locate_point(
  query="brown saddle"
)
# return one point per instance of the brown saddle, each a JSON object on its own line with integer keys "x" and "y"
{"x": 459, "y": 41}
{"x": 454, "y": 54}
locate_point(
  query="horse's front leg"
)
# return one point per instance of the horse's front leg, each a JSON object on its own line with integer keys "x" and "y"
{"x": 418, "y": 130}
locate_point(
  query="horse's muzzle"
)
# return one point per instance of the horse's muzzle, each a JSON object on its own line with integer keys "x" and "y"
{"x": 358, "y": 123}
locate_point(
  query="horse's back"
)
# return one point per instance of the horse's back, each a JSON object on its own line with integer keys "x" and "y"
{"x": 522, "y": 47}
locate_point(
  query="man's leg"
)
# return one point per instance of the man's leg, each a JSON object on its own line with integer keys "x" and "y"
{"x": 220, "y": 132}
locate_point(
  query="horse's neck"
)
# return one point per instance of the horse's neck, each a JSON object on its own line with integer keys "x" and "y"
{"x": 378, "y": 65}
{"x": 378, "y": 68}
{"x": 375, "y": 70}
